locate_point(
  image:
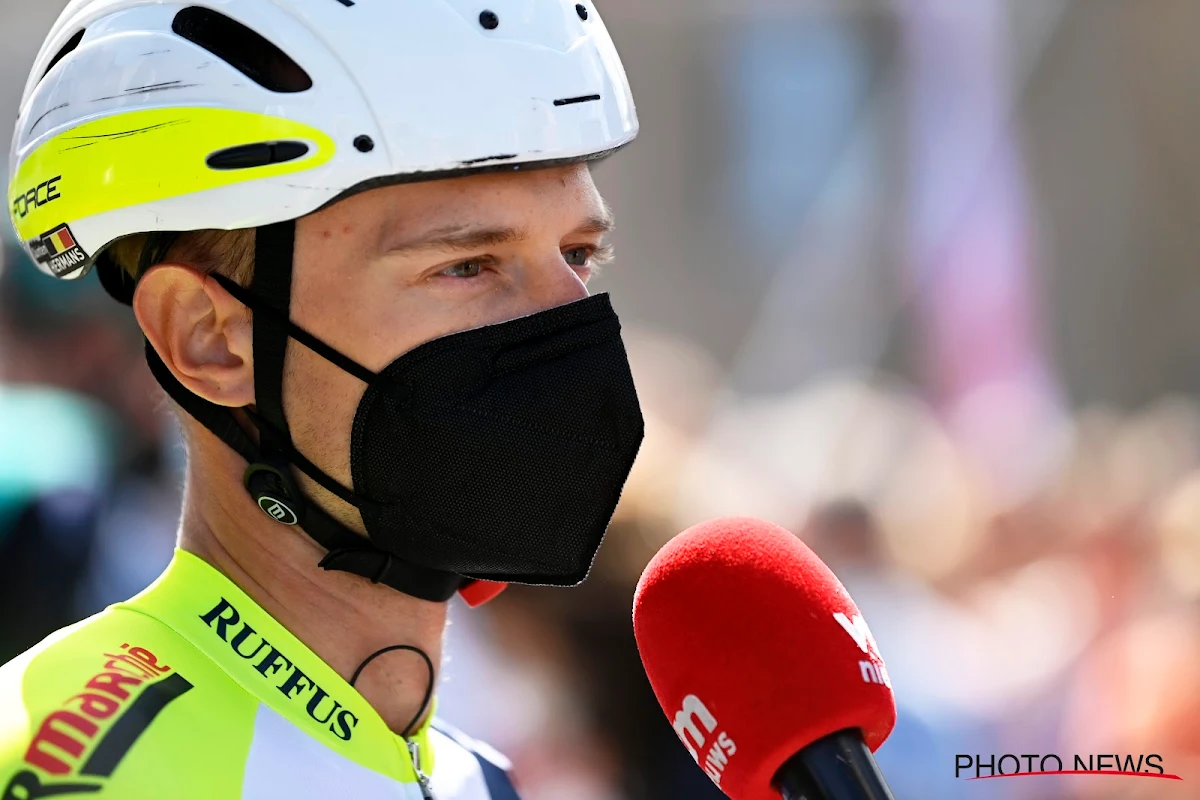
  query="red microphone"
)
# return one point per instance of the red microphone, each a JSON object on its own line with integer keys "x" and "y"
{"x": 763, "y": 664}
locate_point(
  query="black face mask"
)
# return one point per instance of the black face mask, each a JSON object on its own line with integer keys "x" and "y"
{"x": 501, "y": 451}
{"x": 496, "y": 453}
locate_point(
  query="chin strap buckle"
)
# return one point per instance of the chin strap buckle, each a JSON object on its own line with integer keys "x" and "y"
{"x": 367, "y": 561}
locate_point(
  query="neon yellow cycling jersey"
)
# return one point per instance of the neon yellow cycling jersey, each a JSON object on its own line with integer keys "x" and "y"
{"x": 191, "y": 690}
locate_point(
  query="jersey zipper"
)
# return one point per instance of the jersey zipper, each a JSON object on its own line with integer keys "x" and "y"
{"x": 414, "y": 750}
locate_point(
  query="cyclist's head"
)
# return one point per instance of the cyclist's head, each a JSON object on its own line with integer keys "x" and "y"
{"x": 375, "y": 275}
{"x": 367, "y": 177}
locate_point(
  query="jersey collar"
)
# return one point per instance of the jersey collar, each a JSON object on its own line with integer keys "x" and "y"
{"x": 212, "y": 613}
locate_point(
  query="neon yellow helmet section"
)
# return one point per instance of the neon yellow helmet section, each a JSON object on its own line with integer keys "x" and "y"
{"x": 136, "y": 158}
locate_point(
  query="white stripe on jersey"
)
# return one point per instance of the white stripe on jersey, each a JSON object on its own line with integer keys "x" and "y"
{"x": 286, "y": 763}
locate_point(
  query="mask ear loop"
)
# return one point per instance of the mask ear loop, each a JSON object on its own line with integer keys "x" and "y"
{"x": 428, "y": 689}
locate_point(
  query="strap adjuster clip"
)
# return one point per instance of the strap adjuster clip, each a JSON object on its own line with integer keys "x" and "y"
{"x": 273, "y": 489}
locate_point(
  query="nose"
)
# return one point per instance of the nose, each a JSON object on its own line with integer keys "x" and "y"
{"x": 549, "y": 281}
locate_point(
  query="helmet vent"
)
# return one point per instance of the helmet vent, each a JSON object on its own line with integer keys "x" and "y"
{"x": 71, "y": 44}
{"x": 242, "y": 48}
{"x": 246, "y": 156}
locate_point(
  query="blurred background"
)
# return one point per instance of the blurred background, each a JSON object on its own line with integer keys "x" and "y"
{"x": 913, "y": 278}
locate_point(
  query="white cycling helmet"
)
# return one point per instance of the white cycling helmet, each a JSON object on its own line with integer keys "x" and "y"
{"x": 144, "y": 116}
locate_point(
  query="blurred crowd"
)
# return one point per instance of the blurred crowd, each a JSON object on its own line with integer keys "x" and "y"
{"x": 913, "y": 278}
{"x": 1064, "y": 620}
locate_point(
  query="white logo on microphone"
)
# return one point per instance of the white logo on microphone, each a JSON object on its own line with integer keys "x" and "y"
{"x": 873, "y": 670}
{"x": 688, "y": 722}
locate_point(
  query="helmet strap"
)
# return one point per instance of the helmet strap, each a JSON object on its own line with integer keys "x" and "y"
{"x": 269, "y": 478}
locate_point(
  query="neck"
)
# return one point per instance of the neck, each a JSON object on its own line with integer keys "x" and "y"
{"x": 342, "y": 618}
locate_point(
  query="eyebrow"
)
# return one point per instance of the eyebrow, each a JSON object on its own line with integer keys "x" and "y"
{"x": 470, "y": 237}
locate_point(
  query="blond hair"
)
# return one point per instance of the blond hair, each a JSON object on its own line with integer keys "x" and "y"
{"x": 230, "y": 253}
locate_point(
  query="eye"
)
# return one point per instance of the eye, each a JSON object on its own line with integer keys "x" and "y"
{"x": 464, "y": 269}
{"x": 578, "y": 256}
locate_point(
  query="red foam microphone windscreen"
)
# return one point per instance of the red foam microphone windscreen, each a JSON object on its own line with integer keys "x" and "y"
{"x": 755, "y": 651}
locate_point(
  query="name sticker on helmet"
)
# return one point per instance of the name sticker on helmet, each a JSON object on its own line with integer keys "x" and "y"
{"x": 57, "y": 250}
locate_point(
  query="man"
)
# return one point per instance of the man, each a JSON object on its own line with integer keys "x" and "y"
{"x": 357, "y": 237}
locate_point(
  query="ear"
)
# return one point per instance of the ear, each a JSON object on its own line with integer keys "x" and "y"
{"x": 202, "y": 334}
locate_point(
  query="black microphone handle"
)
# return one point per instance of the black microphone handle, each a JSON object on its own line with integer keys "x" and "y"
{"x": 837, "y": 767}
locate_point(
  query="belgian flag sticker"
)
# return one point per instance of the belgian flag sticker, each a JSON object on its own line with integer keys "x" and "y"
{"x": 58, "y": 251}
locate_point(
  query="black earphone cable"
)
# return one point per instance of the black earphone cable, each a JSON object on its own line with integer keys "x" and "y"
{"x": 428, "y": 689}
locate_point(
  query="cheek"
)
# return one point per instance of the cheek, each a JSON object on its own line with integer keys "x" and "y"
{"x": 373, "y": 318}
{"x": 320, "y": 401}
{"x": 368, "y": 314}
{"x": 369, "y": 321}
